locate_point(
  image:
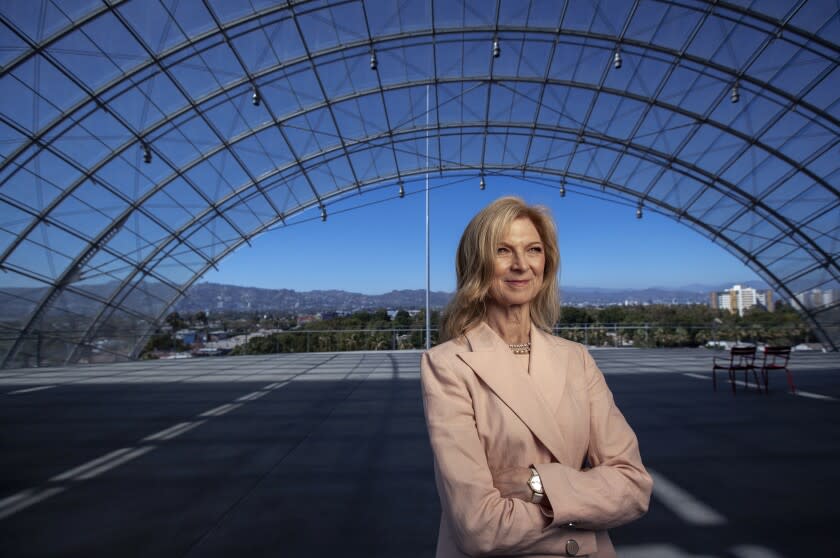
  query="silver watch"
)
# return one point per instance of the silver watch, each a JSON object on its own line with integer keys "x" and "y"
{"x": 535, "y": 484}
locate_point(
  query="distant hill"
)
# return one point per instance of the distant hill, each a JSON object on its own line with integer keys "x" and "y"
{"x": 18, "y": 302}
{"x": 218, "y": 297}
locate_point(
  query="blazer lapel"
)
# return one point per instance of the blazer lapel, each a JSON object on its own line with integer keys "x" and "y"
{"x": 494, "y": 363}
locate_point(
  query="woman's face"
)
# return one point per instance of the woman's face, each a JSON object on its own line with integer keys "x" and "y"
{"x": 518, "y": 265}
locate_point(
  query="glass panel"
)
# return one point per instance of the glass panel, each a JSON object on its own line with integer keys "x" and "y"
{"x": 663, "y": 131}
{"x": 690, "y": 89}
{"x": 257, "y": 48}
{"x": 797, "y": 137}
{"x": 615, "y": 116}
{"x": 579, "y": 63}
{"x": 39, "y": 19}
{"x": 116, "y": 337}
{"x": 24, "y": 102}
{"x": 820, "y": 18}
{"x": 152, "y": 23}
{"x": 405, "y": 64}
{"x": 123, "y": 176}
{"x": 47, "y": 251}
{"x": 195, "y": 77}
{"x": 135, "y": 108}
{"x": 192, "y": 16}
{"x": 19, "y": 298}
{"x": 137, "y": 238}
{"x": 145, "y": 300}
{"x": 825, "y": 93}
{"x": 84, "y": 60}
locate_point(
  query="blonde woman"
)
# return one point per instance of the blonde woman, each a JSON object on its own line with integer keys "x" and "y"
{"x": 532, "y": 457}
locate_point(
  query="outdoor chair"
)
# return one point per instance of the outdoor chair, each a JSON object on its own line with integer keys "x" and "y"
{"x": 776, "y": 358}
{"x": 740, "y": 358}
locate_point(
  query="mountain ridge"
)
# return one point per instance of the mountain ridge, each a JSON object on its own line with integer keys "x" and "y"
{"x": 211, "y": 297}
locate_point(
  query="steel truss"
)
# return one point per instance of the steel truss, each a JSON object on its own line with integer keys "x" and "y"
{"x": 795, "y": 250}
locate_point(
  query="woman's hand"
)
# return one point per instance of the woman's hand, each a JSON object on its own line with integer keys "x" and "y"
{"x": 513, "y": 482}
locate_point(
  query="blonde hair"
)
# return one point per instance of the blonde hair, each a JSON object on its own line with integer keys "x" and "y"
{"x": 474, "y": 266}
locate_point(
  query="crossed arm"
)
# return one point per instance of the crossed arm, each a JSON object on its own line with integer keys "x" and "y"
{"x": 490, "y": 511}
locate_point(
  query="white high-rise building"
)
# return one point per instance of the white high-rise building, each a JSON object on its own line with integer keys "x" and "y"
{"x": 738, "y": 298}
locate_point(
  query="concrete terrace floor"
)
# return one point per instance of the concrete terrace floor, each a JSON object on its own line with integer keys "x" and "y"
{"x": 326, "y": 454}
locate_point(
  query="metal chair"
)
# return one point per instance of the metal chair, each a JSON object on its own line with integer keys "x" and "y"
{"x": 776, "y": 358}
{"x": 740, "y": 358}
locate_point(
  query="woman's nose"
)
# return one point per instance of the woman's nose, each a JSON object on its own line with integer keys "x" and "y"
{"x": 517, "y": 261}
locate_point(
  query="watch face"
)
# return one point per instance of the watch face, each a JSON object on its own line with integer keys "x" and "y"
{"x": 536, "y": 484}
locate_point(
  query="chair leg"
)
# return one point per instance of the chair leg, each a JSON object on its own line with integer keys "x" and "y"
{"x": 757, "y": 383}
{"x": 790, "y": 381}
{"x": 732, "y": 380}
{"x": 714, "y": 380}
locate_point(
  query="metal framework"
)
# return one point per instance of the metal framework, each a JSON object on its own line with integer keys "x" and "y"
{"x": 143, "y": 142}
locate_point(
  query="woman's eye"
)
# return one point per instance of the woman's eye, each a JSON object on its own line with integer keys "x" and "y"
{"x": 536, "y": 249}
{"x": 502, "y": 250}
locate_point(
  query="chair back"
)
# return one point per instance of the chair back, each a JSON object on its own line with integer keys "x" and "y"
{"x": 776, "y": 357}
{"x": 742, "y": 356}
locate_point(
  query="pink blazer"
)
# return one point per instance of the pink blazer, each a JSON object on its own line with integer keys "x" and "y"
{"x": 483, "y": 414}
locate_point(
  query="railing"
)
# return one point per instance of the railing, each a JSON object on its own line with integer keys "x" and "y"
{"x": 53, "y": 348}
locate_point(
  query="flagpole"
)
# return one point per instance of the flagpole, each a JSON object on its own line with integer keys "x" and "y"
{"x": 428, "y": 281}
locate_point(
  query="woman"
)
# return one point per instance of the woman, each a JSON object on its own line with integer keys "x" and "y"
{"x": 532, "y": 457}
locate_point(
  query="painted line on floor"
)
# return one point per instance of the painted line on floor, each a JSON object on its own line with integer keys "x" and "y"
{"x": 799, "y": 393}
{"x": 724, "y": 379}
{"x": 173, "y": 431}
{"x": 221, "y": 410}
{"x": 753, "y": 551}
{"x": 115, "y": 463}
{"x": 252, "y": 396}
{"x": 76, "y": 471}
{"x": 95, "y": 467}
{"x": 22, "y": 500}
{"x": 813, "y": 395}
{"x": 681, "y": 503}
{"x": 669, "y": 550}
{"x": 30, "y": 390}
{"x": 655, "y": 550}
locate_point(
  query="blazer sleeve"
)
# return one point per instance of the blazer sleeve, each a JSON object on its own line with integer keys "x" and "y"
{"x": 483, "y": 522}
{"x": 616, "y": 489}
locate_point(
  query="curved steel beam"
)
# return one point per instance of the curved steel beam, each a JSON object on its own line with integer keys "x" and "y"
{"x": 181, "y": 172}
{"x": 649, "y": 154}
{"x": 159, "y": 59}
{"x": 609, "y": 143}
{"x": 721, "y": 239}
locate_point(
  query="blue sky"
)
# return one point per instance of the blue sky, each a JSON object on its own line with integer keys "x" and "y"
{"x": 378, "y": 248}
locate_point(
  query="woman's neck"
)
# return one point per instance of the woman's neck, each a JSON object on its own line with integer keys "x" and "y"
{"x": 512, "y": 323}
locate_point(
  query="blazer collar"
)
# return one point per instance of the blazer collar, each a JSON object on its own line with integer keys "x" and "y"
{"x": 492, "y": 360}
